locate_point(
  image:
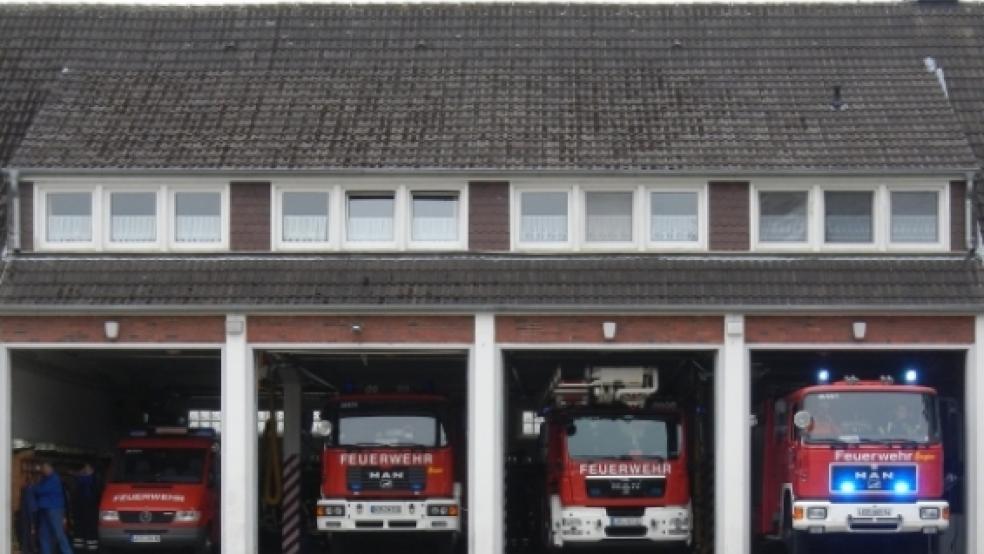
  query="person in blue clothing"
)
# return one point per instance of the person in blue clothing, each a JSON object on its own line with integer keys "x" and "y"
{"x": 50, "y": 497}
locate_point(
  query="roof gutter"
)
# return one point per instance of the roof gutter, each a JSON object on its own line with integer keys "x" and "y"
{"x": 13, "y": 212}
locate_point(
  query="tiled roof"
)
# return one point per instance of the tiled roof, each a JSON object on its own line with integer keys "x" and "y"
{"x": 566, "y": 87}
{"x": 507, "y": 282}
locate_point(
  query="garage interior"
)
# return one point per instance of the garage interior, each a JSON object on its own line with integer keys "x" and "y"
{"x": 776, "y": 373}
{"x": 71, "y": 406}
{"x": 686, "y": 377}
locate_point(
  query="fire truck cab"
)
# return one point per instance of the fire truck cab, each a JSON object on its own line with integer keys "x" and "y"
{"x": 616, "y": 464}
{"x": 162, "y": 492}
{"x": 853, "y": 456}
{"x": 388, "y": 467}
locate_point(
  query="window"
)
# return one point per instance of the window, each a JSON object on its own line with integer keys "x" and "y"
{"x": 531, "y": 424}
{"x": 205, "y": 419}
{"x": 133, "y": 217}
{"x": 608, "y": 217}
{"x": 783, "y": 216}
{"x": 434, "y": 217}
{"x": 915, "y": 216}
{"x": 674, "y": 217}
{"x": 848, "y": 216}
{"x": 69, "y": 217}
{"x": 370, "y": 217}
{"x": 197, "y": 217}
{"x": 543, "y": 217}
{"x": 305, "y": 217}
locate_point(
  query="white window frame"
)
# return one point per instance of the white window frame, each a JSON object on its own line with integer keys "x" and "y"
{"x": 581, "y": 225}
{"x": 107, "y": 219}
{"x": 461, "y": 243}
{"x": 516, "y": 226}
{"x": 702, "y": 218}
{"x": 41, "y": 192}
{"x": 881, "y": 214}
{"x": 222, "y": 244}
{"x": 335, "y": 213}
{"x": 399, "y": 208}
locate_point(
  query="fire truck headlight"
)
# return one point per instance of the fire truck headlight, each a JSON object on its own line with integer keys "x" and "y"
{"x": 929, "y": 513}
{"x": 444, "y": 510}
{"x": 816, "y": 513}
{"x": 570, "y": 521}
{"x": 109, "y": 515}
{"x": 187, "y": 516}
{"x": 331, "y": 511}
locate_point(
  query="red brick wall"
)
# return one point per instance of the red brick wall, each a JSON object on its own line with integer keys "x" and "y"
{"x": 249, "y": 217}
{"x": 729, "y": 228}
{"x": 329, "y": 329}
{"x": 71, "y": 329}
{"x": 488, "y": 216}
{"x": 880, "y": 329}
{"x": 27, "y": 216}
{"x": 631, "y": 329}
{"x": 958, "y": 216}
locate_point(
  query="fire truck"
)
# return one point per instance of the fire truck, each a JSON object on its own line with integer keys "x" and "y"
{"x": 616, "y": 463}
{"x": 388, "y": 467}
{"x": 853, "y": 457}
{"x": 162, "y": 492}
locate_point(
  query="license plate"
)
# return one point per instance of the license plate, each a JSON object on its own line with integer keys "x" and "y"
{"x": 384, "y": 509}
{"x": 626, "y": 521}
{"x": 144, "y": 539}
{"x": 874, "y": 512}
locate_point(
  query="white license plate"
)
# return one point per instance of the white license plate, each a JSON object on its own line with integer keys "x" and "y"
{"x": 145, "y": 539}
{"x": 626, "y": 521}
{"x": 875, "y": 512}
{"x": 384, "y": 509}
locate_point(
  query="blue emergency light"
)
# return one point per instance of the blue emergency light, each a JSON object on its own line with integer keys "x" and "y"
{"x": 911, "y": 376}
{"x": 902, "y": 487}
{"x": 846, "y": 487}
{"x": 823, "y": 376}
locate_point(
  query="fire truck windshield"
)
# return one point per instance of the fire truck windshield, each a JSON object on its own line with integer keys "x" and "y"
{"x": 871, "y": 417}
{"x": 159, "y": 465}
{"x": 621, "y": 437}
{"x": 390, "y": 430}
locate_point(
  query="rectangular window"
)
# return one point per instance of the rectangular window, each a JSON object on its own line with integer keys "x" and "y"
{"x": 915, "y": 216}
{"x": 69, "y": 217}
{"x": 783, "y": 216}
{"x": 848, "y": 216}
{"x": 543, "y": 217}
{"x": 434, "y": 217}
{"x": 370, "y": 217}
{"x": 197, "y": 217}
{"x": 133, "y": 217}
{"x": 305, "y": 217}
{"x": 673, "y": 217}
{"x": 608, "y": 216}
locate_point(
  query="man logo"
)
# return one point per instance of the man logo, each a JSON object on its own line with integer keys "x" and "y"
{"x": 386, "y": 484}
{"x": 146, "y": 517}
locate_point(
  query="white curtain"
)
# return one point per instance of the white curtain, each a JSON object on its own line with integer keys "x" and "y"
{"x": 69, "y": 228}
{"x": 305, "y": 228}
{"x": 673, "y": 228}
{"x": 544, "y": 228}
{"x": 435, "y": 229}
{"x": 198, "y": 228}
{"x": 375, "y": 229}
{"x": 914, "y": 228}
{"x": 133, "y": 228}
{"x": 848, "y": 228}
{"x": 782, "y": 228}
{"x": 609, "y": 228}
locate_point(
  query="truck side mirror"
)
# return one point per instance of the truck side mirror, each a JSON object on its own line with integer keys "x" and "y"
{"x": 323, "y": 429}
{"x": 802, "y": 420}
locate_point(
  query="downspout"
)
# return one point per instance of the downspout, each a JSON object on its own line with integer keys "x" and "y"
{"x": 13, "y": 210}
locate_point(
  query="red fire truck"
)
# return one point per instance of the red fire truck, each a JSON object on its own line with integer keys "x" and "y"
{"x": 853, "y": 456}
{"x": 162, "y": 492}
{"x": 616, "y": 463}
{"x": 388, "y": 467}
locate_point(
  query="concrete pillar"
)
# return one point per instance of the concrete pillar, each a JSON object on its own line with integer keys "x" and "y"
{"x": 6, "y": 447}
{"x": 485, "y": 442}
{"x": 732, "y": 442}
{"x": 239, "y": 442}
{"x": 974, "y": 401}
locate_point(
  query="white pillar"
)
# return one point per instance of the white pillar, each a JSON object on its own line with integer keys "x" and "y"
{"x": 974, "y": 407}
{"x": 239, "y": 438}
{"x": 6, "y": 447}
{"x": 485, "y": 441}
{"x": 732, "y": 446}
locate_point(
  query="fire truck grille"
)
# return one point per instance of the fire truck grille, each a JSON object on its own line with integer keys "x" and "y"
{"x": 625, "y": 488}
{"x": 386, "y": 479}
{"x": 146, "y": 517}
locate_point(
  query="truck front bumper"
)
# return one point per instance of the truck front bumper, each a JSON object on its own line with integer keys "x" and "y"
{"x": 931, "y": 516}
{"x": 584, "y": 525}
{"x": 387, "y": 515}
{"x": 138, "y": 536}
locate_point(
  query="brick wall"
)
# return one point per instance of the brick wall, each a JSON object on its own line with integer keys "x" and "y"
{"x": 249, "y": 218}
{"x": 958, "y": 216}
{"x": 630, "y": 329}
{"x": 880, "y": 329}
{"x": 488, "y": 216}
{"x": 27, "y": 216}
{"x": 729, "y": 228}
{"x": 379, "y": 329}
{"x": 69, "y": 329}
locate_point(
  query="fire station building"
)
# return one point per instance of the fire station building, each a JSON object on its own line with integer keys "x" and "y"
{"x": 473, "y": 196}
